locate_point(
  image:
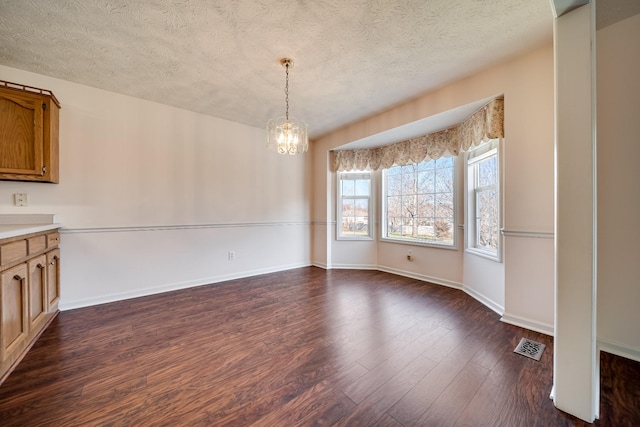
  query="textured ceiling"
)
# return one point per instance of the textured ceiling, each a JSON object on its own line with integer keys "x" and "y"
{"x": 353, "y": 58}
{"x": 609, "y": 12}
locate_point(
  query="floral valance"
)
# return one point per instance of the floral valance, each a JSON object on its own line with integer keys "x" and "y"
{"x": 486, "y": 123}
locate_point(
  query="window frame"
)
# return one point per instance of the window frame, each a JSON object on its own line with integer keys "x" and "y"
{"x": 371, "y": 205}
{"x": 419, "y": 242}
{"x": 473, "y": 158}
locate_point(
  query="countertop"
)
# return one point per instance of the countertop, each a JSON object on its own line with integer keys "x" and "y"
{"x": 12, "y": 225}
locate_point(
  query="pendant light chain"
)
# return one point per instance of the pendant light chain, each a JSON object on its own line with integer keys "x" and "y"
{"x": 286, "y": 91}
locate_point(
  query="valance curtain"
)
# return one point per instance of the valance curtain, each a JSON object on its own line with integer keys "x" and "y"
{"x": 486, "y": 123}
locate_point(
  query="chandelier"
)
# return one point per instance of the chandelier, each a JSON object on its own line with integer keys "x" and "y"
{"x": 287, "y": 135}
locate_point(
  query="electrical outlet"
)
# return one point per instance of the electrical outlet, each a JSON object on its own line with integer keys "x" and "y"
{"x": 409, "y": 255}
{"x": 20, "y": 199}
{"x": 231, "y": 255}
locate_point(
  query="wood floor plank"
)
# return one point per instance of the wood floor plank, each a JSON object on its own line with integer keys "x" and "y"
{"x": 374, "y": 407}
{"x": 418, "y": 400}
{"x": 619, "y": 390}
{"x": 487, "y": 407}
{"x": 299, "y": 347}
{"x": 448, "y": 407}
{"x": 393, "y": 361}
{"x": 387, "y": 421}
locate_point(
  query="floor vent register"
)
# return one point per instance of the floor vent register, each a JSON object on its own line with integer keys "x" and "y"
{"x": 530, "y": 348}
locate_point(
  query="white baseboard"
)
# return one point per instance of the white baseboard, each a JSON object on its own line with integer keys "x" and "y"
{"x": 423, "y": 277}
{"x": 618, "y": 349}
{"x": 104, "y": 299}
{"x": 484, "y": 300}
{"x": 533, "y": 325}
{"x": 354, "y": 267}
{"x": 320, "y": 265}
{"x": 449, "y": 283}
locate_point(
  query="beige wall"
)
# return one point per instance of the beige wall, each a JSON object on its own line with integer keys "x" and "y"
{"x": 618, "y": 127}
{"x": 152, "y": 197}
{"x": 527, "y": 84}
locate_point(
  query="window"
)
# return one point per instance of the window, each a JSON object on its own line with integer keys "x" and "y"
{"x": 483, "y": 200}
{"x": 419, "y": 202}
{"x": 354, "y": 205}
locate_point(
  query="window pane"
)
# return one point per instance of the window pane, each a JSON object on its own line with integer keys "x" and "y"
{"x": 394, "y": 185}
{"x": 409, "y": 206}
{"x": 408, "y": 169}
{"x": 444, "y": 205}
{"x": 348, "y": 187}
{"x": 420, "y": 207}
{"x": 488, "y": 172}
{"x": 408, "y": 182}
{"x": 394, "y": 171}
{"x": 408, "y": 227}
{"x": 394, "y": 226}
{"x": 362, "y": 215}
{"x": 362, "y": 187}
{"x": 348, "y": 213}
{"x": 487, "y": 211}
{"x": 443, "y": 228}
{"x": 444, "y": 180}
{"x": 426, "y": 181}
{"x": 426, "y": 206}
{"x": 394, "y": 206}
{"x": 348, "y": 207}
{"x": 425, "y": 166}
{"x": 444, "y": 162}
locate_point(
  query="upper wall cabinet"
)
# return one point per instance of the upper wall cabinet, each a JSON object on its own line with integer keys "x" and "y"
{"x": 28, "y": 133}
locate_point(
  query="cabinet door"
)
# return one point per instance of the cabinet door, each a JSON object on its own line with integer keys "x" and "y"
{"x": 14, "y": 327}
{"x": 22, "y": 134}
{"x": 37, "y": 290}
{"x": 53, "y": 279}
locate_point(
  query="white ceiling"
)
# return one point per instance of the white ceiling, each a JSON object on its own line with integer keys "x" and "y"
{"x": 353, "y": 58}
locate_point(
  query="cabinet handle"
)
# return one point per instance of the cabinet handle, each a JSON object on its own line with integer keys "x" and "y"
{"x": 17, "y": 277}
{"x": 40, "y": 265}
{"x": 44, "y": 170}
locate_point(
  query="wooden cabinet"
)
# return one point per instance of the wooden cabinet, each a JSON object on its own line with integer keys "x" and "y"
{"x": 29, "y": 293}
{"x": 53, "y": 279}
{"x": 37, "y": 294}
{"x": 14, "y": 329}
{"x": 28, "y": 133}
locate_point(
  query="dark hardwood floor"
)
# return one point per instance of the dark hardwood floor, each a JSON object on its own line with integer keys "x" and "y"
{"x": 301, "y": 347}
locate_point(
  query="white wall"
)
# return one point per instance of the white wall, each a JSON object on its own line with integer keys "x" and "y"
{"x": 153, "y": 197}
{"x": 618, "y": 93}
{"x": 527, "y": 84}
{"x": 529, "y": 192}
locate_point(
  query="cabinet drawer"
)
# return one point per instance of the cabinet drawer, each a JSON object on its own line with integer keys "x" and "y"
{"x": 13, "y": 251}
{"x": 53, "y": 239}
{"x": 37, "y": 244}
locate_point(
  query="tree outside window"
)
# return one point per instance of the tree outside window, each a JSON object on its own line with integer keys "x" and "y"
{"x": 419, "y": 202}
